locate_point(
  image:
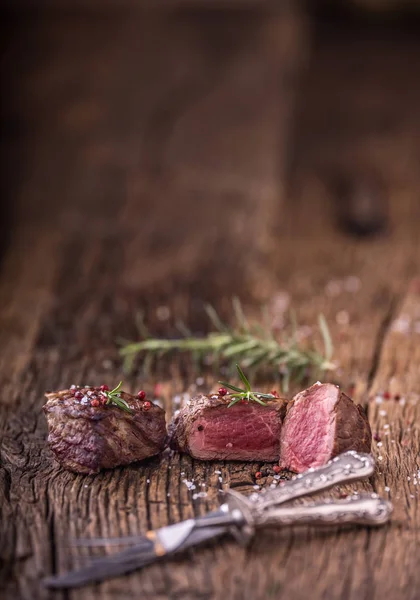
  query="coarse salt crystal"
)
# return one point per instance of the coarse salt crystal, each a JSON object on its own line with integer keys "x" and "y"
{"x": 352, "y": 284}
{"x": 147, "y": 480}
{"x": 387, "y": 489}
{"x": 401, "y": 325}
{"x": 199, "y": 380}
{"x": 342, "y": 317}
{"x": 382, "y": 413}
{"x": 379, "y": 399}
{"x": 163, "y": 313}
{"x": 380, "y": 458}
{"x": 379, "y": 444}
{"x": 256, "y": 487}
{"x": 218, "y": 472}
{"x": 386, "y": 426}
{"x": 333, "y": 288}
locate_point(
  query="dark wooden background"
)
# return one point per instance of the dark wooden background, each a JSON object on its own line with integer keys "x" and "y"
{"x": 170, "y": 159}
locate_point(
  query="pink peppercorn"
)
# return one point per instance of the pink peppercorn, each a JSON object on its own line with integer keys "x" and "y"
{"x": 222, "y": 391}
{"x": 276, "y": 469}
{"x": 387, "y": 395}
{"x": 141, "y": 395}
{"x": 94, "y": 402}
{"x": 104, "y": 388}
{"x": 258, "y": 475}
{"x": 147, "y": 405}
{"x": 78, "y": 395}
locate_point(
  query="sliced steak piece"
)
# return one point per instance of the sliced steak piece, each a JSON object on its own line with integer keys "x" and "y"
{"x": 86, "y": 435}
{"x": 320, "y": 423}
{"x": 207, "y": 429}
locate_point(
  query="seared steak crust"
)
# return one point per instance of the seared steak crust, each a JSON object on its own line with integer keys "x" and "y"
{"x": 86, "y": 438}
{"x": 352, "y": 429}
{"x": 206, "y": 429}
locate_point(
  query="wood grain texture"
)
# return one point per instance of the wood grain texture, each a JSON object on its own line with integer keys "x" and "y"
{"x": 137, "y": 163}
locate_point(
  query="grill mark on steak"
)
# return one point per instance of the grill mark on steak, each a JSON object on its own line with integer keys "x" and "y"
{"x": 86, "y": 438}
{"x": 206, "y": 429}
{"x": 320, "y": 423}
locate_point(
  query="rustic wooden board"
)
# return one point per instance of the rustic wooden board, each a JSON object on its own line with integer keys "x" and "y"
{"x": 134, "y": 193}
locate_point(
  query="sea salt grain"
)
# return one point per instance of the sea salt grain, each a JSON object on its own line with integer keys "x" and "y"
{"x": 401, "y": 325}
{"x": 382, "y": 413}
{"x": 256, "y": 487}
{"x": 379, "y": 444}
{"x": 379, "y": 399}
{"x": 352, "y": 284}
{"x": 163, "y": 313}
{"x": 342, "y": 317}
{"x": 380, "y": 458}
{"x": 218, "y": 472}
{"x": 333, "y": 288}
{"x": 386, "y": 426}
{"x": 387, "y": 489}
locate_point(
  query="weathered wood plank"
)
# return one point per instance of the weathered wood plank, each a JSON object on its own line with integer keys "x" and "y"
{"x": 84, "y": 282}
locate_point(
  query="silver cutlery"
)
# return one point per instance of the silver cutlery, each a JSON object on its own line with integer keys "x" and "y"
{"x": 240, "y": 516}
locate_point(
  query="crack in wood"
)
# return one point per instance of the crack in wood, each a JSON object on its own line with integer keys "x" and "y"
{"x": 380, "y": 339}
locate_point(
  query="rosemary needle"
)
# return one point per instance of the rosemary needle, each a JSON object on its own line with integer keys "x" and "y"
{"x": 253, "y": 346}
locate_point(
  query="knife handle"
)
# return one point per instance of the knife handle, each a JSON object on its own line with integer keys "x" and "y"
{"x": 364, "y": 510}
{"x": 347, "y": 467}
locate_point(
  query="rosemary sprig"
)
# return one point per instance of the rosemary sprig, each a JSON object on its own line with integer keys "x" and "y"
{"x": 247, "y": 393}
{"x": 114, "y": 397}
{"x": 253, "y": 345}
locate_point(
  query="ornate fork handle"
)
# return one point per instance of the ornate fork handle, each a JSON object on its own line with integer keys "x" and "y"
{"x": 363, "y": 510}
{"x": 346, "y": 467}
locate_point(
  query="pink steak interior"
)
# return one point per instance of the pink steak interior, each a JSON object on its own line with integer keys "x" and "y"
{"x": 307, "y": 437}
{"x": 242, "y": 432}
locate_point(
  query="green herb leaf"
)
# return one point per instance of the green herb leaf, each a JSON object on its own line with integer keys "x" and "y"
{"x": 230, "y": 386}
{"x": 113, "y": 397}
{"x": 328, "y": 346}
{"x": 256, "y": 347}
{"x": 244, "y": 379}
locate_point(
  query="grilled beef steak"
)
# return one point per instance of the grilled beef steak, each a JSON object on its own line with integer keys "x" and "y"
{"x": 87, "y": 435}
{"x": 320, "y": 423}
{"x": 207, "y": 429}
